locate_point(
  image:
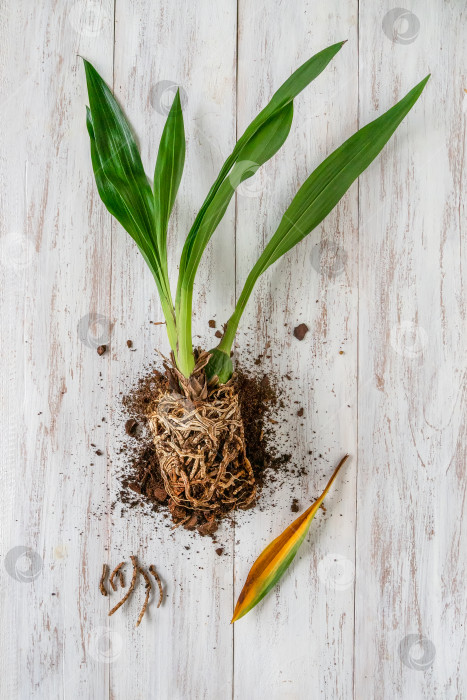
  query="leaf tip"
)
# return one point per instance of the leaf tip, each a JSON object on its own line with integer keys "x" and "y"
{"x": 237, "y": 614}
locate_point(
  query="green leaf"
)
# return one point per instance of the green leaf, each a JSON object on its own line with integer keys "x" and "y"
{"x": 331, "y": 180}
{"x": 260, "y": 148}
{"x": 219, "y": 365}
{"x": 252, "y": 148}
{"x": 118, "y": 154}
{"x": 266, "y": 141}
{"x": 107, "y": 192}
{"x": 115, "y": 203}
{"x": 122, "y": 183}
{"x": 168, "y": 171}
{"x": 321, "y": 192}
{"x": 282, "y": 97}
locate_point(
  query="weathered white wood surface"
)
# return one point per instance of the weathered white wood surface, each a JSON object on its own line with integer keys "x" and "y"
{"x": 375, "y": 605}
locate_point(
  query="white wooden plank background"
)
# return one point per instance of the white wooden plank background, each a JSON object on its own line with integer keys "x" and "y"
{"x": 375, "y": 604}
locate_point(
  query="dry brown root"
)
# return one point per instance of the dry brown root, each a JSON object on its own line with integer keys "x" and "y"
{"x": 121, "y": 578}
{"x": 200, "y": 444}
{"x": 153, "y": 571}
{"x": 114, "y": 573}
{"x": 130, "y": 590}
{"x": 148, "y": 591}
{"x": 102, "y": 587}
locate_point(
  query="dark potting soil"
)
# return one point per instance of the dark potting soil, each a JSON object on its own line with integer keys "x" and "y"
{"x": 141, "y": 480}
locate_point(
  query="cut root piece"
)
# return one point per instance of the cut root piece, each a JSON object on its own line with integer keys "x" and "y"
{"x": 153, "y": 571}
{"x": 146, "y": 599}
{"x": 102, "y": 588}
{"x": 130, "y": 590}
{"x": 115, "y": 572}
{"x": 200, "y": 444}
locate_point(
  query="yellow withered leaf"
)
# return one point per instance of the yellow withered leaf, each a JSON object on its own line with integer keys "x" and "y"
{"x": 276, "y": 558}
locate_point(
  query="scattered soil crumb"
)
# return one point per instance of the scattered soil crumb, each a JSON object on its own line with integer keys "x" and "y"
{"x": 295, "y": 507}
{"x": 300, "y": 331}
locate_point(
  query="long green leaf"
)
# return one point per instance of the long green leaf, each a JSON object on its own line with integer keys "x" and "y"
{"x": 122, "y": 183}
{"x": 283, "y": 96}
{"x": 118, "y": 208}
{"x": 321, "y": 192}
{"x": 116, "y": 204}
{"x": 118, "y": 153}
{"x": 107, "y": 192}
{"x": 234, "y": 171}
{"x": 263, "y": 145}
{"x": 168, "y": 172}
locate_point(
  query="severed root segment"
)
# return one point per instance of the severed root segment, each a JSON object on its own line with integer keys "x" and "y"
{"x": 148, "y": 591}
{"x": 102, "y": 587}
{"x": 153, "y": 571}
{"x": 130, "y": 590}
{"x": 114, "y": 573}
{"x": 200, "y": 444}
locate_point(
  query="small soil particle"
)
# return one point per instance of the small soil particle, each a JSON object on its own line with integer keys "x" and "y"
{"x": 295, "y": 507}
{"x": 218, "y": 334}
{"x": 219, "y": 551}
{"x": 191, "y": 523}
{"x": 208, "y": 528}
{"x": 300, "y": 412}
{"x": 160, "y": 494}
{"x": 99, "y": 453}
{"x": 300, "y": 331}
{"x": 130, "y": 426}
{"x": 101, "y": 349}
{"x": 129, "y": 343}
{"x": 212, "y": 323}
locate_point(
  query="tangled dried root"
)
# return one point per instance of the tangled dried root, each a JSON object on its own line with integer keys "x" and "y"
{"x": 200, "y": 444}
